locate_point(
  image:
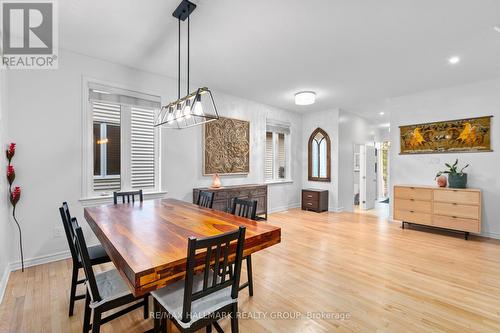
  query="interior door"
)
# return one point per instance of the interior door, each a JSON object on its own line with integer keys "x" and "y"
{"x": 368, "y": 177}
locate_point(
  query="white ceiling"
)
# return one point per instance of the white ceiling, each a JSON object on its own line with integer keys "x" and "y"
{"x": 349, "y": 51}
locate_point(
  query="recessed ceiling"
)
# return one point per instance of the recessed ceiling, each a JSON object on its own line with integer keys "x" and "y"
{"x": 349, "y": 52}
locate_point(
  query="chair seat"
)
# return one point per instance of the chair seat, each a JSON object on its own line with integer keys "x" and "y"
{"x": 171, "y": 298}
{"x": 111, "y": 286}
{"x": 98, "y": 255}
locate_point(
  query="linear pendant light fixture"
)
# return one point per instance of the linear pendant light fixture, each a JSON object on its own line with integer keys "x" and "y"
{"x": 196, "y": 107}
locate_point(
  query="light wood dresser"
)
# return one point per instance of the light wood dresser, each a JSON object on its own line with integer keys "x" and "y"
{"x": 447, "y": 208}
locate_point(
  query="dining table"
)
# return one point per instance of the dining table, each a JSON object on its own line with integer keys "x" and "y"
{"x": 147, "y": 241}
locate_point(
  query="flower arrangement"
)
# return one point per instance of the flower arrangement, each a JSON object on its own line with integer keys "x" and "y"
{"x": 14, "y": 194}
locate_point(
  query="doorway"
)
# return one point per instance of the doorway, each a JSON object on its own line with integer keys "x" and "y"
{"x": 371, "y": 179}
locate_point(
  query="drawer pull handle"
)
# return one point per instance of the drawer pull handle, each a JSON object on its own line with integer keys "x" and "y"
{"x": 412, "y": 199}
{"x": 309, "y": 203}
{"x": 411, "y": 211}
{"x": 412, "y": 188}
{"x": 454, "y": 203}
{"x": 454, "y": 217}
{"x": 309, "y": 196}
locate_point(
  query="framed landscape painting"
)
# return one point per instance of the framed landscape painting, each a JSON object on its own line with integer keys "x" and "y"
{"x": 463, "y": 135}
{"x": 226, "y": 146}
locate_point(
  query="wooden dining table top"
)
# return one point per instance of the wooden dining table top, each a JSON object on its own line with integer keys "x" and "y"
{"x": 147, "y": 241}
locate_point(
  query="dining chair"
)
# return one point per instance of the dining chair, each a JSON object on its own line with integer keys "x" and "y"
{"x": 97, "y": 256}
{"x": 127, "y": 197}
{"x": 105, "y": 291}
{"x": 205, "y": 199}
{"x": 201, "y": 300}
{"x": 248, "y": 209}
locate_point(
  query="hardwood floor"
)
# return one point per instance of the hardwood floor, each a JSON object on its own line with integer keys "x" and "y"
{"x": 381, "y": 277}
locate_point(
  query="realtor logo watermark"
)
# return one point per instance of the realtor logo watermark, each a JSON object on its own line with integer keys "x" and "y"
{"x": 29, "y": 34}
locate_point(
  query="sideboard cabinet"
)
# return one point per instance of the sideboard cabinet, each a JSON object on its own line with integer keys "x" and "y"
{"x": 441, "y": 207}
{"x": 223, "y": 196}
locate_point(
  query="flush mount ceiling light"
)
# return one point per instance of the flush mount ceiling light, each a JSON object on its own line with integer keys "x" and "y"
{"x": 454, "y": 60}
{"x": 196, "y": 107}
{"x": 381, "y": 113}
{"x": 497, "y": 28}
{"x": 305, "y": 98}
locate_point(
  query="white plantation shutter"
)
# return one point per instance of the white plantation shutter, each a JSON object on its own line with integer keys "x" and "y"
{"x": 269, "y": 158}
{"x": 281, "y": 172}
{"x": 142, "y": 148}
{"x": 106, "y": 113}
{"x": 277, "y": 149}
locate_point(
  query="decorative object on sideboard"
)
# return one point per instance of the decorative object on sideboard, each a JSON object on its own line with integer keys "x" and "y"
{"x": 226, "y": 145}
{"x": 463, "y": 135}
{"x": 442, "y": 181}
{"x": 196, "y": 107}
{"x": 456, "y": 179}
{"x": 216, "y": 181}
{"x": 14, "y": 195}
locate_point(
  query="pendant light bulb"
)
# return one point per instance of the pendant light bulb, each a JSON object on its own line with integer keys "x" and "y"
{"x": 198, "y": 109}
{"x": 170, "y": 116}
{"x": 178, "y": 113}
{"x": 187, "y": 109}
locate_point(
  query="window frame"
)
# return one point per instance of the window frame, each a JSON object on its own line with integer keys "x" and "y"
{"x": 90, "y": 197}
{"x": 328, "y": 157}
{"x": 275, "y": 149}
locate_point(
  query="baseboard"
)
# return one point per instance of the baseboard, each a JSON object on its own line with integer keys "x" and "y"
{"x": 494, "y": 235}
{"x": 283, "y": 208}
{"x": 3, "y": 282}
{"x": 14, "y": 266}
{"x": 336, "y": 209}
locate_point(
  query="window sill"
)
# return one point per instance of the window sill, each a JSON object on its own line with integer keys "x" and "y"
{"x": 108, "y": 199}
{"x": 276, "y": 181}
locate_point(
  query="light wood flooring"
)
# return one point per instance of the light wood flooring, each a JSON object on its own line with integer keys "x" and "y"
{"x": 332, "y": 272}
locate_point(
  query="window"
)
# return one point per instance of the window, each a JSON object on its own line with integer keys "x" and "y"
{"x": 125, "y": 144}
{"x": 319, "y": 156}
{"x": 277, "y": 161}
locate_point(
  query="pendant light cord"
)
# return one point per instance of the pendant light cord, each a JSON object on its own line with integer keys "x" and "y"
{"x": 179, "y": 64}
{"x": 187, "y": 93}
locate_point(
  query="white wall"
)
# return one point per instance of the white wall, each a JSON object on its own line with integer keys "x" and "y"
{"x": 185, "y": 147}
{"x": 353, "y": 130}
{"x": 45, "y": 120}
{"x": 478, "y": 99}
{"x": 328, "y": 120}
{"x": 6, "y": 227}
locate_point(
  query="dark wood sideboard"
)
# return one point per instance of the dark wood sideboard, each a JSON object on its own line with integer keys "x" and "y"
{"x": 316, "y": 200}
{"x": 223, "y": 196}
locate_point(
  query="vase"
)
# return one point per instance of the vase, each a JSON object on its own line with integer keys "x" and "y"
{"x": 442, "y": 181}
{"x": 215, "y": 181}
{"x": 457, "y": 180}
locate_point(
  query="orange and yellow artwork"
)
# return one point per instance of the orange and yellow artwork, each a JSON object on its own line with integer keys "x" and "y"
{"x": 463, "y": 135}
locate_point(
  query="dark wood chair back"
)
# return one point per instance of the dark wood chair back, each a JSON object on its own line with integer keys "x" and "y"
{"x": 127, "y": 197}
{"x": 244, "y": 208}
{"x": 81, "y": 247}
{"x": 68, "y": 230}
{"x": 205, "y": 199}
{"x": 219, "y": 250}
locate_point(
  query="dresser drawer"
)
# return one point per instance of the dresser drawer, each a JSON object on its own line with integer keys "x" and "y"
{"x": 415, "y": 205}
{"x": 415, "y": 193}
{"x": 457, "y": 196}
{"x": 314, "y": 204}
{"x": 413, "y": 216}
{"x": 456, "y": 223}
{"x": 309, "y": 195}
{"x": 449, "y": 209}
